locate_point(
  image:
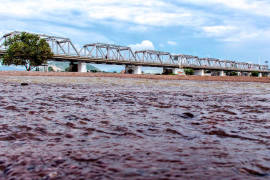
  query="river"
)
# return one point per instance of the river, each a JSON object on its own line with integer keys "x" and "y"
{"x": 112, "y": 128}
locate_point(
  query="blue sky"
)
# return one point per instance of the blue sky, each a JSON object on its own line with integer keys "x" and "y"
{"x": 226, "y": 29}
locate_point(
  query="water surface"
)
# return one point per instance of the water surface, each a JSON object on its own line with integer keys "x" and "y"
{"x": 109, "y": 128}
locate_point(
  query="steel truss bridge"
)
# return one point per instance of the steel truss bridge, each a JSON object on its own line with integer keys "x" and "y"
{"x": 65, "y": 50}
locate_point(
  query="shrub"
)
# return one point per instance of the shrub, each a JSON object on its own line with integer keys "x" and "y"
{"x": 94, "y": 71}
{"x": 50, "y": 69}
{"x": 232, "y": 73}
{"x": 189, "y": 71}
{"x": 255, "y": 74}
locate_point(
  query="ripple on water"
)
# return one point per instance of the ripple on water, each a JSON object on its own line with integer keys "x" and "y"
{"x": 95, "y": 131}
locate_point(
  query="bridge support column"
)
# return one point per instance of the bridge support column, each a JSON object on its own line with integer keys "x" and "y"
{"x": 222, "y": 73}
{"x": 260, "y": 75}
{"x": 200, "y": 72}
{"x": 239, "y": 74}
{"x": 130, "y": 69}
{"x": 82, "y": 67}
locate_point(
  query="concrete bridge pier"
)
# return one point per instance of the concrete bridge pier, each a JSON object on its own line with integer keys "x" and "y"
{"x": 82, "y": 67}
{"x": 260, "y": 75}
{"x": 131, "y": 69}
{"x": 200, "y": 72}
{"x": 222, "y": 73}
{"x": 77, "y": 67}
{"x": 239, "y": 73}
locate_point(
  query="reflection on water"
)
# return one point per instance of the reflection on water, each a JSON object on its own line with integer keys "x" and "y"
{"x": 135, "y": 129}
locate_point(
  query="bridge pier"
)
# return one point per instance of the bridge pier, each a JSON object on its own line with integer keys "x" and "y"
{"x": 200, "y": 72}
{"x": 260, "y": 75}
{"x": 82, "y": 67}
{"x": 222, "y": 73}
{"x": 78, "y": 67}
{"x": 239, "y": 73}
{"x": 130, "y": 69}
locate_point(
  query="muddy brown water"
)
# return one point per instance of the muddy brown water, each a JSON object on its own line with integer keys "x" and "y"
{"x": 109, "y": 128}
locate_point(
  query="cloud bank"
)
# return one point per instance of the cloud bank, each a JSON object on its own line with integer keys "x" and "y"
{"x": 228, "y": 22}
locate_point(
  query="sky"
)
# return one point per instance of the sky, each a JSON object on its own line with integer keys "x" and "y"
{"x": 236, "y": 30}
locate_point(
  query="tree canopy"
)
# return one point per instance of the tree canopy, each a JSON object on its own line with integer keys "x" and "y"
{"x": 28, "y": 50}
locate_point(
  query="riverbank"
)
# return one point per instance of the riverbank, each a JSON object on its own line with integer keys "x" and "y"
{"x": 143, "y": 76}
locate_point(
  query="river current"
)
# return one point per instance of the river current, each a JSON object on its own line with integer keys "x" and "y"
{"x": 110, "y": 128}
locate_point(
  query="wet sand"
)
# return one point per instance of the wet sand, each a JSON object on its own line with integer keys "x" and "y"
{"x": 115, "y": 128}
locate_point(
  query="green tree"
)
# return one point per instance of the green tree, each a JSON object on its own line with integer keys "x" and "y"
{"x": 255, "y": 73}
{"x": 50, "y": 69}
{"x": 28, "y": 50}
{"x": 189, "y": 71}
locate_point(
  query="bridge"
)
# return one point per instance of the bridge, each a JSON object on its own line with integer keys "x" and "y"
{"x": 101, "y": 53}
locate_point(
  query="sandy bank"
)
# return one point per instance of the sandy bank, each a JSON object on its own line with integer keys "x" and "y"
{"x": 144, "y": 76}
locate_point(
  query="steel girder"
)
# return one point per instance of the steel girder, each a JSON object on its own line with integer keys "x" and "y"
{"x": 151, "y": 56}
{"x": 107, "y": 52}
{"x": 2, "y": 41}
{"x": 185, "y": 60}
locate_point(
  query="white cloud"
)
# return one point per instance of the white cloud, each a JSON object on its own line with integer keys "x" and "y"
{"x": 77, "y": 36}
{"x": 172, "y": 43}
{"x": 233, "y": 33}
{"x": 242, "y": 36}
{"x": 138, "y": 28}
{"x": 259, "y": 7}
{"x": 150, "y": 12}
{"x": 138, "y": 16}
{"x": 218, "y": 30}
{"x": 144, "y": 45}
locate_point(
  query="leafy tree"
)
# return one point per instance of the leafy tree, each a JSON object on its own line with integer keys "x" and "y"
{"x": 28, "y": 50}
